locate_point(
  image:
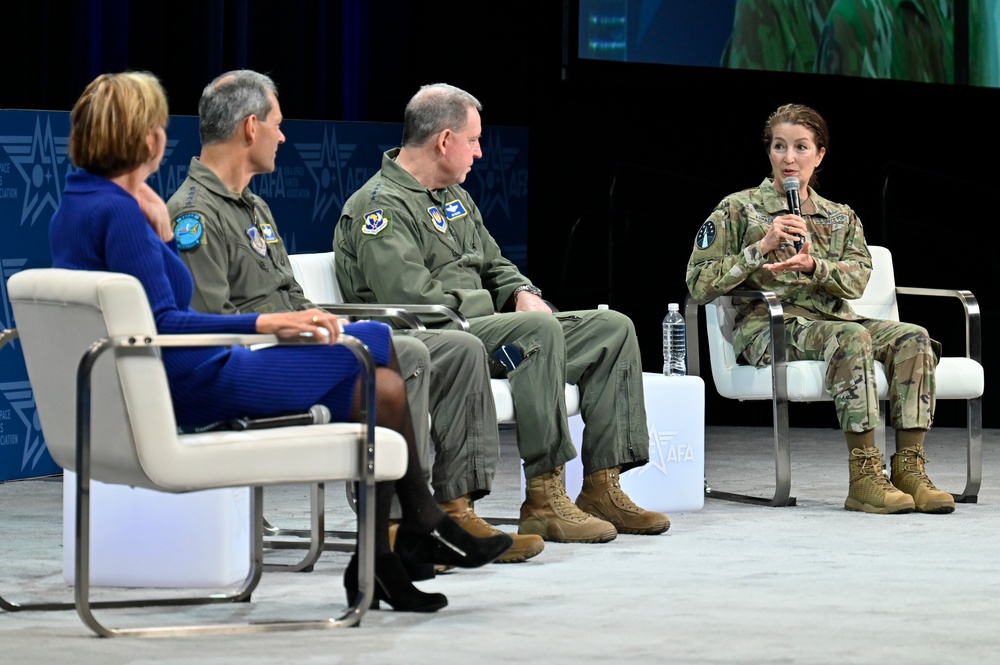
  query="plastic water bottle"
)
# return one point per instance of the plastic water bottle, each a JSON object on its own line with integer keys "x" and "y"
{"x": 674, "y": 342}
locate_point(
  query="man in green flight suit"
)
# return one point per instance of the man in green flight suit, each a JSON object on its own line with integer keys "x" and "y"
{"x": 230, "y": 242}
{"x": 413, "y": 234}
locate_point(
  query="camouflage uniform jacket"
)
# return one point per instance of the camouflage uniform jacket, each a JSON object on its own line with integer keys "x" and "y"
{"x": 231, "y": 245}
{"x": 398, "y": 242}
{"x": 727, "y": 255}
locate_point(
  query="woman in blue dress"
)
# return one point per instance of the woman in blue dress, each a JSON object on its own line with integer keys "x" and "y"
{"x": 110, "y": 219}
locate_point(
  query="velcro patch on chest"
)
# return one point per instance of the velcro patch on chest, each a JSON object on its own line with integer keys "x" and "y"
{"x": 374, "y": 222}
{"x": 267, "y": 230}
{"x": 440, "y": 223}
{"x": 454, "y": 210}
{"x": 256, "y": 240}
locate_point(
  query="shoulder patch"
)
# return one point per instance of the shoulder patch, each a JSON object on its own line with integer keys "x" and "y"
{"x": 440, "y": 223}
{"x": 706, "y": 235}
{"x": 188, "y": 230}
{"x": 374, "y": 222}
{"x": 454, "y": 210}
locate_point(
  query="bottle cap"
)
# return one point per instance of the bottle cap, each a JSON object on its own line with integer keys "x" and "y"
{"x": 673, "y": 307}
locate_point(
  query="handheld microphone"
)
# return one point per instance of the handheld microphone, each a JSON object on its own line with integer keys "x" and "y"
{"x": 317, "y": 414}
{"x": 791, "y": 187}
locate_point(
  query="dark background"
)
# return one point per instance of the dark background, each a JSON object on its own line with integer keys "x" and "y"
{"x": 633, "y": 157}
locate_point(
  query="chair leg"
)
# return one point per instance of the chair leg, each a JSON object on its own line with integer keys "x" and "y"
{"x": 974, "y": 454}
{"x": 782, "y": 456}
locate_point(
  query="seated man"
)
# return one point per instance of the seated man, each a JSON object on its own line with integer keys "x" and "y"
{"x": 231, "y": 244}
{"x": 411, "y": 234}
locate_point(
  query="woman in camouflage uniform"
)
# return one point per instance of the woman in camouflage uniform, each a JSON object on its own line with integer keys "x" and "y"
{"x": 748, "y": 242}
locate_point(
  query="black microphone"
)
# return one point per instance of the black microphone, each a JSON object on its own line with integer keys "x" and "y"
{"x": 316, "y": 415}
{"x": 791, "y": 186}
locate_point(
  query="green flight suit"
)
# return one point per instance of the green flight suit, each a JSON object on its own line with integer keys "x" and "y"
{"x": 399, "y": 242}
{"x": 819, "y": 322}
{"x": 239, "y": 264}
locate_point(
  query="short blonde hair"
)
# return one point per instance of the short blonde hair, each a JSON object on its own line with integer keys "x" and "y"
{"x": 110, "y": 122}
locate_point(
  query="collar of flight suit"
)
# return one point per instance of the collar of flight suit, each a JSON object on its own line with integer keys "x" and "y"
{"x": 207, "y": 178}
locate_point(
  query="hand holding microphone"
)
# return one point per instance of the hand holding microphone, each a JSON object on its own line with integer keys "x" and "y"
{"x": 791, "y": 187}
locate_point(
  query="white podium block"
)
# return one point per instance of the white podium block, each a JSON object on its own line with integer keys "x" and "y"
{"x": 673, "y": 481}
{"x": 143, "y": 538}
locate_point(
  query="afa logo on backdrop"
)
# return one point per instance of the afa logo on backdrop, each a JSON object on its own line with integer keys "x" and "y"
{"x": 33, "y": 168}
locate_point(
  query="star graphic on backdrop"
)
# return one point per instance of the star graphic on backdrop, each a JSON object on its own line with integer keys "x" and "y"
{"x": 493, "y": 180}
{"x": 9, "y": 267}
{"x": 166, "y": 180}
{"x": 21, "y": 399}
{"x": 37, "y": 158}
{"x": 324, "y": 162}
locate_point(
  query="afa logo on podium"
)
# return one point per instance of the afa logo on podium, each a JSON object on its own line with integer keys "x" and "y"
{"x": 320, "y": 165}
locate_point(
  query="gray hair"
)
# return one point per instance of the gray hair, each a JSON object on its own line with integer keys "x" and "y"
{"x": 230, "y": 99}
{"x": 434, "y": 108}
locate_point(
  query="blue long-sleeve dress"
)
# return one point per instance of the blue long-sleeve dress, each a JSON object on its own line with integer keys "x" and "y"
{"x": 99, "y": 226}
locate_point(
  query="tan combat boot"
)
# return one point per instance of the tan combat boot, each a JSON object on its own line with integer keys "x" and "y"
{"x": 870, "y": 491}
{"x": 462, "y": 511}
{"x": 909, "y": 476}
{"x": 602, "y": 496}
{"x": 548, "y": 512}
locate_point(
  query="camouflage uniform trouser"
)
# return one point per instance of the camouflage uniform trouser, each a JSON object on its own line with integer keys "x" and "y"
{"x": 850, "y": 349}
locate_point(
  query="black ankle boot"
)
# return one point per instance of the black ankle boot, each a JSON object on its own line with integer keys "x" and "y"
{"x": 450, "y": 545}
{"x": 393, "y": 586}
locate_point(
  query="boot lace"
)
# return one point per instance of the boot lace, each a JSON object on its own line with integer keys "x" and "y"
{"x": 872, "y": 466}
{"x": 560, "y": 502}
{"x": 470, "y": 514}
{"x": 620, "y": 498}
{"x": 914, "y": 461}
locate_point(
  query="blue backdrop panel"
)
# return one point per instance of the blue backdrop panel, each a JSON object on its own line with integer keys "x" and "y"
{"x": 318, "y": 167}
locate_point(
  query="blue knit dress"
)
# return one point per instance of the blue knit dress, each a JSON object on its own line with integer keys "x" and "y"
{"x": 99, "y": 226}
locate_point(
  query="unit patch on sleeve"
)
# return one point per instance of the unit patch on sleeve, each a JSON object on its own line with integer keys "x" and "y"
{"x": 188, "y": 231}
{"x": 706, "y": 235}
{"x": 454, "y": 210}
{"x": 374, "y": 222}
{"x": 440, "y": 223}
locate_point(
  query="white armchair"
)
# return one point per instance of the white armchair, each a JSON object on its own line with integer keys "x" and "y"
{"x": 785, "y": 381}
{"x": 92, "y": 353}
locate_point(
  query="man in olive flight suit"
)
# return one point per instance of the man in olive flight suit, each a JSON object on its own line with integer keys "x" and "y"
{"x": 412, "y": 234}
{"x": 230, "y": 242}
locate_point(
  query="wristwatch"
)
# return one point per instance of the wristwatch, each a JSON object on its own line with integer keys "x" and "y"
{"x": 534, "y": 290}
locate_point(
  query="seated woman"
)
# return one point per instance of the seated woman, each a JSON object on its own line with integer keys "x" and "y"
{"x": 109, "y": 219}
{"x": 749, "y": 241}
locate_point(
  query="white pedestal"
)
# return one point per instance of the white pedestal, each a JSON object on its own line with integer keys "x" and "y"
{"x": 142, "y": 538}
{"x": 674, "y": 479}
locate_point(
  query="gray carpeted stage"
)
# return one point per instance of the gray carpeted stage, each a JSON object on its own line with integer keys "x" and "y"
{"x": 731, "y": 583}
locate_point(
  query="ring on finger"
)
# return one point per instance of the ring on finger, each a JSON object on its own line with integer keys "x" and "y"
{"x": 786, "y": 228}
{"x": 315, "y": 319}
